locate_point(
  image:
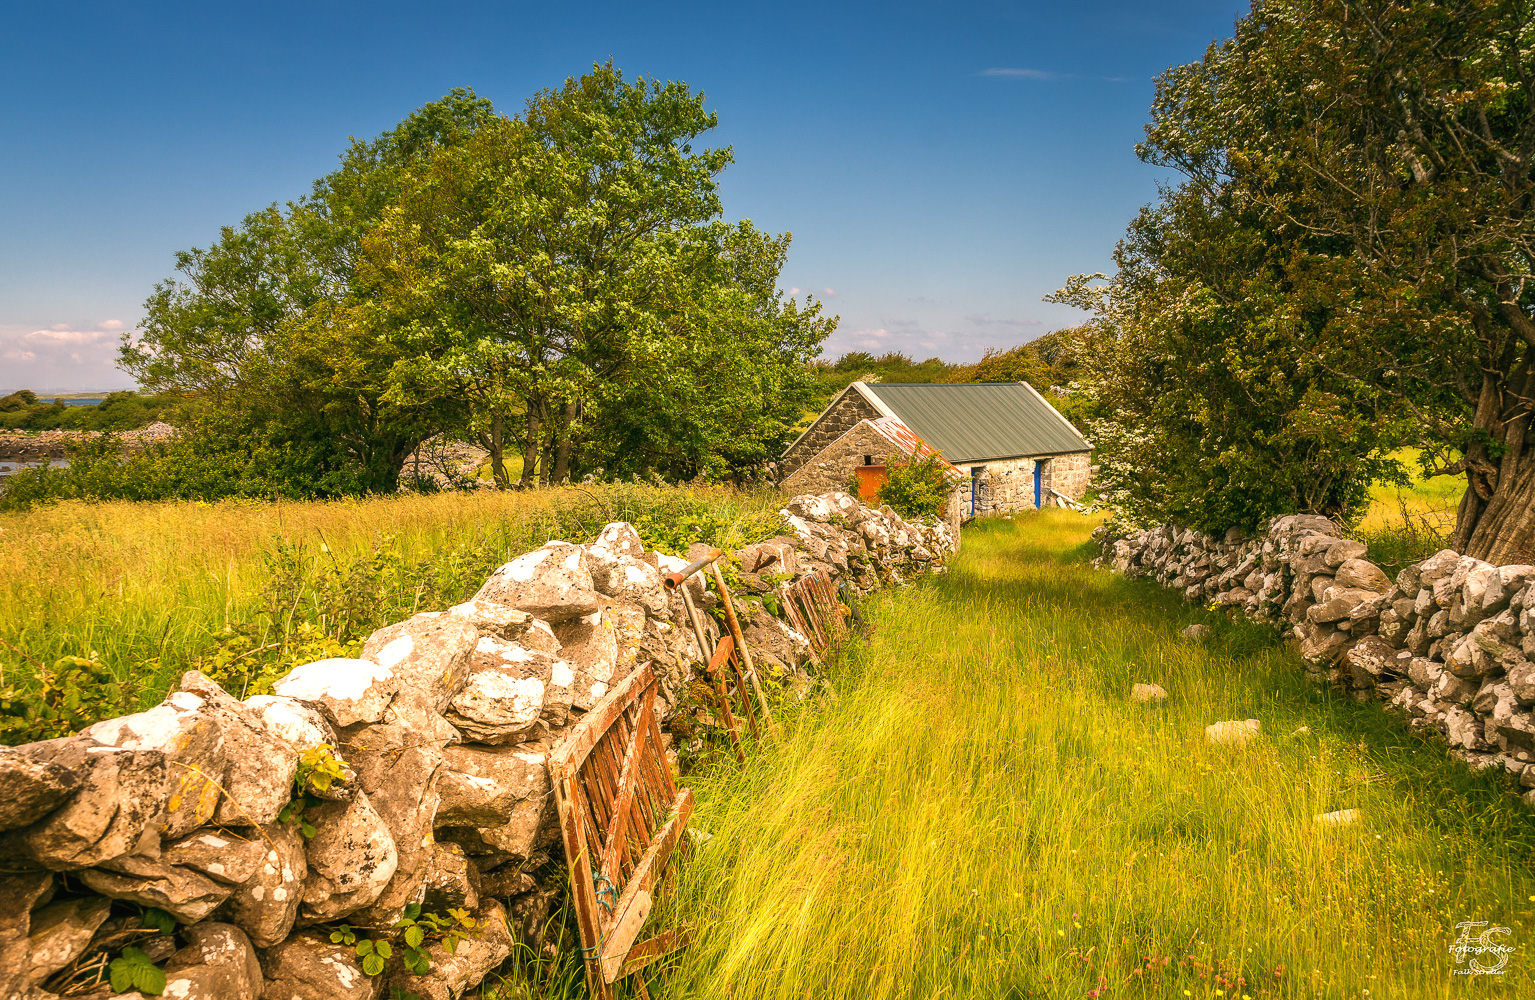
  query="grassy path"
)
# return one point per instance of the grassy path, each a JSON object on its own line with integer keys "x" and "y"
{"x": 982, "y": 813}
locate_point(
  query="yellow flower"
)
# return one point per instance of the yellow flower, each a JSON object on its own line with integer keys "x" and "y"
{"x": 1187, "y": 993}
{"x": 1060, "y": 933}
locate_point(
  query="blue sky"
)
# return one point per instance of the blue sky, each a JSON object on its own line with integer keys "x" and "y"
{"x": 940, "y": 166}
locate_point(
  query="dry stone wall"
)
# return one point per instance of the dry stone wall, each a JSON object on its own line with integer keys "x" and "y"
{"x": 423, "y": 766}
{"x": 1448, "y": 643}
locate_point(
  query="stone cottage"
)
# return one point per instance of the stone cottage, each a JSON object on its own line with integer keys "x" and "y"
{"x": 1014, "y": 450}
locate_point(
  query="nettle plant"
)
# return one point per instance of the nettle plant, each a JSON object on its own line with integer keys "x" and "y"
{"x": 413, "y": 933}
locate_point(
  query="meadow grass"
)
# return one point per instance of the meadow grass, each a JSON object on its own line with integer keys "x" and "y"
{"x": 982, "y": 812}
{"x": 246, "y": 589}
{"x": 1406, "y": 524}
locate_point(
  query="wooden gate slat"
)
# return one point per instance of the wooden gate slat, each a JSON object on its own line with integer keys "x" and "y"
{"x": 614, "y": 950}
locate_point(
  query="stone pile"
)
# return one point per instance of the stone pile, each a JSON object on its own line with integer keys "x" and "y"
{"x": 1448, "y": 642}
{"x": 421, "y": 770}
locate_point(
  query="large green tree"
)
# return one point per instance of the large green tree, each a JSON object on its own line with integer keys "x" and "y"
{"x": 568, "y": 269}
{"x": 1378, "y": 158}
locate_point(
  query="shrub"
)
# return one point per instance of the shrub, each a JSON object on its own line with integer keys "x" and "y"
{"x": 916, "y": 488}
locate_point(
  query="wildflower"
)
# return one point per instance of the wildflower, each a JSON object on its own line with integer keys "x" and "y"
{"x": 1060, "y": 933}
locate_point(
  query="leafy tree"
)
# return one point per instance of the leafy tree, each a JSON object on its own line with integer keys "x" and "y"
{"x": 1369, "y": 168}
{"x": 568, "y": 268}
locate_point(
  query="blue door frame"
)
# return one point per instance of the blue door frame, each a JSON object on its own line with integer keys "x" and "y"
{"x": 1039, "y": 484}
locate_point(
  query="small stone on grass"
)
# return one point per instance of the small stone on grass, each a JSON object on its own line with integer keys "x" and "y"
{"x": 1145, "y": 693}
{"x": 1233, "y": 733}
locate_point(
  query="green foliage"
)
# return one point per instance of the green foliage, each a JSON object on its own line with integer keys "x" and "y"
{"x": 563, "y": 278}
{"x": 134, "y": 971}
{"x": 318, "y": 769}
{"x": 157, "y": 918}
{"x": 917, "y": 488}
{"x": 206, "y": 463}
{"x": 71, "y": 694}
{"x": 1350, "y": 246}
{"x": 117, "y": 411}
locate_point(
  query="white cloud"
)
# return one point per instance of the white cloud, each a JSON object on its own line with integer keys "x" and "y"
{"x": 829, "y": 293}
{"x": 1023, "y": 73}
{"x": 984, "y": 319}
{"x": 60, "y": 333}
{"x": 61, "y": 357}
{"x": 792, "y": 292}
{"x": 1019, "y": 73}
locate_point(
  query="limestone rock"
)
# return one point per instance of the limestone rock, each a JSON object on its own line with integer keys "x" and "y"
{"x": 619, "y": 569}
{"x": 1361, "y": 575}
{"x": 219, "y": 854}
{"x": 347, "y": 691}
{"x": 218, "y": 963}
{"x": 60, "y": 932}
{"x": 452, "y": 882}
{"x": 493, "y": 619}
{"x": 1343, "y": 550}
{"x": 453, "y": 975}
{"x": 503, "y": 696}
{"x": 552, "y": 583}
{"x": 184, "y": 894}
{"x": 31, "y": 788}
{"x": 259, "y": 769}
{"x": 400, "y": 775}
{"x": 190, "y": 737}
{"x": 490, "y": 787}
{"x": 1521, "y": 678}
{"x": 21, "y": 893}
{"x": 308, "y": 967}
{"x": 1237, "y": 734}
{"x": 428, "y": 655}
{"x": 297, "y": 724}
{"x": 1373, "y": 655}
{"x": 121, "y": 798}
{"x": 1342, "y": 817}
{"x": 590, "y": 647}
{"x": 1148, "y": 693}
{"x": 1321, "y": 645}
{"x": 351, "y": 859}
{"x": 1337, "y": 604}
{"x": 266, "y": 904}
{"x": 1196, "y": 632}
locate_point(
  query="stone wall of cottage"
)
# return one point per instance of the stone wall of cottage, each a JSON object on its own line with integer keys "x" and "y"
{"x": 841, "y": 417}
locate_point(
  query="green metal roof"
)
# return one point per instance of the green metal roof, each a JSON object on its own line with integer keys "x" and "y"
{"x": 979, "y": 421}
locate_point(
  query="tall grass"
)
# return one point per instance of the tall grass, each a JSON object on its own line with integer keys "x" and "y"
{"x": 1407, "y": 524}
{"x": 983, "y": 813}
{"x": 244, "y": 589}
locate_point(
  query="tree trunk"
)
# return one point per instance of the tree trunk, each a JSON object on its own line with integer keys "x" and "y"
{"x": 530, "y": 447}
{"x": 1496, "y": 519}
{"x": 497, "y": 448}
{"x": 562, "y": 450}
{"x": 1502, "y": 529}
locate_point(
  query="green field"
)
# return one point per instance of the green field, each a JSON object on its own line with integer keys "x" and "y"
{"x": 245, "y": 590}
{"x": 982, "y": 812}
{"x": 1410, "y": 523}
